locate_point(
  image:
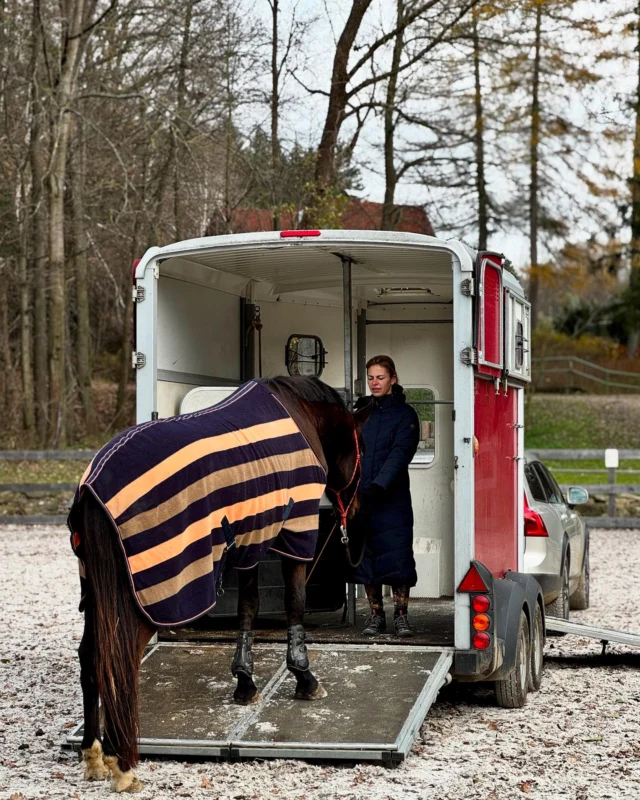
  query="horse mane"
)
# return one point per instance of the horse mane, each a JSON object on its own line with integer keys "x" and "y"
{"x": 308, "y": 389}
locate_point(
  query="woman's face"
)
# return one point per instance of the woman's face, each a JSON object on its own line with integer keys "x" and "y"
{"x": 380, "y": 380}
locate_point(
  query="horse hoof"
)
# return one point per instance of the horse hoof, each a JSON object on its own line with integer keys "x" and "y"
{"x": 96, "y": 773}
{"x": 94, "y": 767}
{"x": 126, "y": 782}
{"x": 247, "y": 701}
{"x": 317, "y": 694}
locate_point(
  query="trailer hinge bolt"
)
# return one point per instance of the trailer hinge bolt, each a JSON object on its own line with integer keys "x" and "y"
{"x": 469, "y": 356}
{"x": 139, "y": 293}
{"x": 138, "y": 360}
{"x": 467, "y": 287}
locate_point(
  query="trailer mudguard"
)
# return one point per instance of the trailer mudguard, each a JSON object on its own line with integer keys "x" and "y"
{"x": 514, "y": 593}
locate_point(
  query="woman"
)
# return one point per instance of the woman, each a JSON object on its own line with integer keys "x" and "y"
{"x": 391, "y": 434}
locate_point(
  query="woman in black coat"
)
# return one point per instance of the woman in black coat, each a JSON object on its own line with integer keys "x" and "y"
{"x": 391, "y": 434}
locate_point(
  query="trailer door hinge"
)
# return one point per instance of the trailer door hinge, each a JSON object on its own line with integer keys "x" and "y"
{"x": 138, "y": 360}
{"x": 467, "y": 287}
{"x": 139, "y": 293}
{"x": 469, "y": 356}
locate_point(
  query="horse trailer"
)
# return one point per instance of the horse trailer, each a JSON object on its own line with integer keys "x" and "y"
{"x": 214, "y": 313}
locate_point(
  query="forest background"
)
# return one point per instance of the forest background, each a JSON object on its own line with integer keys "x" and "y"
{"x": 126, "y": 124}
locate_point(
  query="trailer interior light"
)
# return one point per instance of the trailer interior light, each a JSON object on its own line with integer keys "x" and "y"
{"x": 481, "y": 622}
{"x": 291, "y": 234}
{"x": 480, "y": 603}
{"x": 481, "y": 640}
{"x": 533, "y": 523}
{"x": 472, "y": 581}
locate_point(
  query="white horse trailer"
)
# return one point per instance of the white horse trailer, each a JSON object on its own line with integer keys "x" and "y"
{"x": 215, "y": 312}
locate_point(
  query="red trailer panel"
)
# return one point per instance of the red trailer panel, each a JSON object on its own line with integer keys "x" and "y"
{"x": 496, "y": 478}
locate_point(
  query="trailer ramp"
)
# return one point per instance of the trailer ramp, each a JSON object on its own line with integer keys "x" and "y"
{"x": 605, "y": 635}
{"x": 187, "y": 708}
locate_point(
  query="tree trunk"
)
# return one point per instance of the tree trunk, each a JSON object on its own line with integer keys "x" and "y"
{"x": 481, "y": 185}
{"x": 325, "y": 163}
{"x": 83, "y": 332}
{"x": 60, "y": 130}
{"x": 633, "y": 340}
{"x": 26, "y": 339}
{"x": 533, "y": 187}
{"x": 275, "y": 111}
{"x": 37, "y": 162}
{"x": 179, "y": 131}
{"x": 6, "y": 367}
{"x": 389, "y": 217}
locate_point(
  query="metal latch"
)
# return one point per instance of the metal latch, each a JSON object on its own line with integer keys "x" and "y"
{"x": 138, "y": 294}
{"x": 138, "y": 360}
{"x": 467, "y": 287}
{"x": 469, "y": 356}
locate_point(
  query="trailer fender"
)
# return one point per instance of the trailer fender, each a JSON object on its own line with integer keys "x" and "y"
{"x": 510, "y": 598}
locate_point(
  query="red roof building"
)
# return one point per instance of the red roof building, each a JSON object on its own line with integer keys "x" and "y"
{"x": 361, "y": 215}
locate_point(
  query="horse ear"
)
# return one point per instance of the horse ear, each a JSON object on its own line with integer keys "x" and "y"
{"x": 361, "y": 415}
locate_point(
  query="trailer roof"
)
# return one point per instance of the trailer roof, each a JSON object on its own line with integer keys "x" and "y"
{"x": 384, "y": 263}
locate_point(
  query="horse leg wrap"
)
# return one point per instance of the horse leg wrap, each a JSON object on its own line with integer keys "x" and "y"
{"x": 243, "y": 658}
{"x": 297, "y": 658}
{"x": 122, "y": 781}
{"x": 94, "y": 767}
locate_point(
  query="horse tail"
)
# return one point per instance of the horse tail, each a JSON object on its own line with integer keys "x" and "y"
{"x": 116, "y": 625}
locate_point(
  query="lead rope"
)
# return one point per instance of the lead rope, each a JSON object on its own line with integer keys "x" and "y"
{"x": 344, "y": 511}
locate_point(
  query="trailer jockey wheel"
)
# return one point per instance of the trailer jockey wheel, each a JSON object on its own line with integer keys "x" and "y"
{"x": 537, "y": 651}
{"x": 512, "y": 691}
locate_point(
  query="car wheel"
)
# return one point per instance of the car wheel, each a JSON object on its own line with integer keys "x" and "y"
{"x": 560, "y": 606}
{"x": 580, "y": 598}
{"x": 512, "y": 691}
{"x": 537, "y": 651}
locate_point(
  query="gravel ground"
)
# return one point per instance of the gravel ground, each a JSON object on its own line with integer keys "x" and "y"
{"x": 578, "y": 738}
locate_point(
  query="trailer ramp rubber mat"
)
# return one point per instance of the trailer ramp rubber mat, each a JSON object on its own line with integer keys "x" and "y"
{"x": 187, "y": 708}
{"x": 604, "y": 635}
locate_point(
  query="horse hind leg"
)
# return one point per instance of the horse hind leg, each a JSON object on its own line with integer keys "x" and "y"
{"x": 91, "y": 746}
{"x": 307, "y": 685}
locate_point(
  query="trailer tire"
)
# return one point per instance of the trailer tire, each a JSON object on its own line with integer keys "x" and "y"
{"x": 580, "y": 598}
{"x": 512, "y": 691}
{"x": 537, "y": 651}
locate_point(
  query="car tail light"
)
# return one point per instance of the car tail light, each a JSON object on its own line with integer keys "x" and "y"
{"x": 533, "y": 523}
{"x": 480, "y": 603}
{"x": 481, "y": 640}
{"x": 291, "y": 234}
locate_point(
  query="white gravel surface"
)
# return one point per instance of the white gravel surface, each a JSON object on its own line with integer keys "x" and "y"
{"x": 579, "y": 737}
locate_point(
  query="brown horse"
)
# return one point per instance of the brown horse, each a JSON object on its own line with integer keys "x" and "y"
{"x": 116, "y": 631}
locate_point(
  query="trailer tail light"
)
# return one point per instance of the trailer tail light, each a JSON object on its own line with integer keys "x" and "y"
{"x": 481, "y": 640}
{"x": 480, "y": 603}
{"x": 533, "y": 523}
{"x": 292, "y": 234}
{"x": 481, "y": 622}
{"x": 472, "y": 581}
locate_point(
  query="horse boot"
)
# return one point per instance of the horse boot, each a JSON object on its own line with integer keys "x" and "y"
{"x": 307, "y": 687}
{"x": 246, "y": 692}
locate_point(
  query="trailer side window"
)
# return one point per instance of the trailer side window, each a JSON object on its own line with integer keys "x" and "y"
{"x": 422, "y": 400}
{"x": 304, "y": 355}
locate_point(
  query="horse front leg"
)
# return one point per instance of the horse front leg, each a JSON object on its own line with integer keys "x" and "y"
{"x": 246, "y": 691}
{"x": 307, "y": 686}
{"x": 91, "y": 746}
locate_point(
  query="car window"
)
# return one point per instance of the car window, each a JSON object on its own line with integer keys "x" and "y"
{"x": 551, "y": 488}
{"x": 535, "y": 487}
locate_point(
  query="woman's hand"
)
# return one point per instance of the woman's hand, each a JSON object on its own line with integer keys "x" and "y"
{"x": 371, "y": 494}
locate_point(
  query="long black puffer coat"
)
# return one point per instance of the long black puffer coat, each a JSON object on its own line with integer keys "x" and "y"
{"x": 391, "y": 436}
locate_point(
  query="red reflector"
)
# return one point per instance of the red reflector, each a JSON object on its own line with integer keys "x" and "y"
{"x": 290, "y": 234}
{"x": 480, "y": 603}
{"x": 136, "y": 261}
{"x": 472, "y": 582}
{"x": 534, "y": 524}
{"x": 481, "y": 640}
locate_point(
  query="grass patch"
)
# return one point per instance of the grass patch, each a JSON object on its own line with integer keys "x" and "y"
{"x": 41, "y": 471}
{"x": 557, "y": 467}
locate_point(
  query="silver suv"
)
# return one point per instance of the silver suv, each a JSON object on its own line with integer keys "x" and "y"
{"x": 556, "y": 541}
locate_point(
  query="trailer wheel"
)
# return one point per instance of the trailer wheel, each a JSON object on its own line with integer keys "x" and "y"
{"x": 537, "y": 651}
{"x": 580, "y": 598}
{"x": 512, "y": 691}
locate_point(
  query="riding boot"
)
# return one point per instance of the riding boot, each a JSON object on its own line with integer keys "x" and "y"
{"x": 243, "y": 658}
{"x": 297, "y": 658}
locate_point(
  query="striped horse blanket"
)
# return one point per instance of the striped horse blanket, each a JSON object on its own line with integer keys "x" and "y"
{"x": 181, "y": 491}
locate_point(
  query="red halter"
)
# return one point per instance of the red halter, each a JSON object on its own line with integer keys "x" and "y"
{"x": 344, "y": 510}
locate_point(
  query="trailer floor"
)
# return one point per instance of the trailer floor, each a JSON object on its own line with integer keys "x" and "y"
{"x": 431, "y": 620}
